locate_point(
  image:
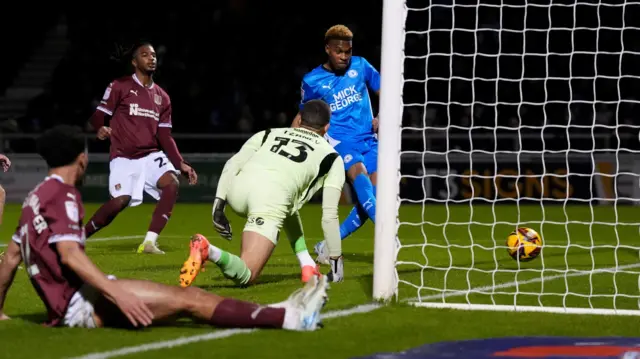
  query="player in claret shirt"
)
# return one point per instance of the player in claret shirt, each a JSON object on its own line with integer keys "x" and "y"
{"x": 143, "y": 154}
{"x": 5, "y": 163}
{"x": 50, "y": 240}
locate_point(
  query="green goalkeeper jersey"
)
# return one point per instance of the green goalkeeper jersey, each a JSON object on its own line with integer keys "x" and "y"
{"x": 295, "y": 161}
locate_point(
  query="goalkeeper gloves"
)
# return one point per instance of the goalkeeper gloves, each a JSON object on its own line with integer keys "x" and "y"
{"x": 220, "y": 221}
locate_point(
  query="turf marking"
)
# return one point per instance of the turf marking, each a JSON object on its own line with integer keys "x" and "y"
{"x": 365, "y": 308}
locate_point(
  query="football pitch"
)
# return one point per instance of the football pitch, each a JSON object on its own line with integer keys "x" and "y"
{"x": 459, "y": 257}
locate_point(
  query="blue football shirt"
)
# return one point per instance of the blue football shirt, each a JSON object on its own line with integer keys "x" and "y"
{"x": 347, "y": 95}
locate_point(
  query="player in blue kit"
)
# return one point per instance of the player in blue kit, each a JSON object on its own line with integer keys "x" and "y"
{"x": 344, "y": 82}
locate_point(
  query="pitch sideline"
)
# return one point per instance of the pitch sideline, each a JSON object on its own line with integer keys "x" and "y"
{"x": 360, "y": 309}
{"x": 363, "y": 308}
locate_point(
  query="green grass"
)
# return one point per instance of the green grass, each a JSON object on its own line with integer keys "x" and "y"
{"x": 440, "y": 251}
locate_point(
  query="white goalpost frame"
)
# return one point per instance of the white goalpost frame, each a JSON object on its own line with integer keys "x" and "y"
{"x": 385, "y": 283}
{"x": 387, "y": 244}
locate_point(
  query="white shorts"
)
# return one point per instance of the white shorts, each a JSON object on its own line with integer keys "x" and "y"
{"x": 132, "y": 178}
{"x": 81, "y": 307}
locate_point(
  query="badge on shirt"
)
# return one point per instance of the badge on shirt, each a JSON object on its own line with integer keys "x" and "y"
{"x": 107, "y": 92}
{"x": 72, "y": 211}
{"x": 157, "y": 99}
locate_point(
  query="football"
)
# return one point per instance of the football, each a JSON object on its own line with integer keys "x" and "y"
{"x": 524, "y": 244}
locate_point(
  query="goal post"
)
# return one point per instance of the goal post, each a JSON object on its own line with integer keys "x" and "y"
{"x": 390, "y": 116}
{"x": 500, "y": 115}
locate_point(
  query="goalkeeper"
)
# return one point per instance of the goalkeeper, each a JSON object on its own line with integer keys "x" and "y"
{"x": 343, "y": 81}
{"x": 272, "y": 176}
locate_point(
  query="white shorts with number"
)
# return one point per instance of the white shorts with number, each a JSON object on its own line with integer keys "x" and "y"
{"x": 133, "y": 177}
{"x": 81, "y": 307}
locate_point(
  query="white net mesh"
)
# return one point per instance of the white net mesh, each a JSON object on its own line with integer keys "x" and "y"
{"x": 521, "y": 114}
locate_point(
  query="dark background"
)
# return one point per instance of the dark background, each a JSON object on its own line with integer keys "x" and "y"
{"x": 506, "y": 77}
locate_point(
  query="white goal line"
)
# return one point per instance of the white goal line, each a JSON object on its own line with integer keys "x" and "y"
{"x": 424, "y": 301}
{"x": 364, "y": 308}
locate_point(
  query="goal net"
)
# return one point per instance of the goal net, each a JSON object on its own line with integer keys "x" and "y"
{"x": 514, "y": 114}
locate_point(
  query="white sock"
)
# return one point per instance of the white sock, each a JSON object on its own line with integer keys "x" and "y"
{"x": 305, "y": 259}
{"x": 214, "y": 253}
{"x": 151, "y": 237}
{"x": 291, "y": 318}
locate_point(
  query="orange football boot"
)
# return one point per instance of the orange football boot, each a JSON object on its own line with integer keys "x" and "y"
{"x": 198, "y": 254}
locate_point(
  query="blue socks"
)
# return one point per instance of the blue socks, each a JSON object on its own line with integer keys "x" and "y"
{"x": 366, "y": 207}
{"x": 355, "y": 220}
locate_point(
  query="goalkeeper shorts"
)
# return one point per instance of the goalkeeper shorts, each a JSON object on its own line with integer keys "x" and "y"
{"x": 264, "y": 206}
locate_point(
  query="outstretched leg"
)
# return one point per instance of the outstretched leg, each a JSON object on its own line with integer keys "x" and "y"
{"x": 243, "y": 270}
{"x": 358, "y": 216}
{"x": 106, "y": 214}
{"x": 300, "y": 312}
{"x": 292, "y": 226}
{"x": 168, "y": 184}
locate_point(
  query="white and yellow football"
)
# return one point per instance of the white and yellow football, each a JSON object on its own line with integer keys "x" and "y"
{"x": 524, "y": 244}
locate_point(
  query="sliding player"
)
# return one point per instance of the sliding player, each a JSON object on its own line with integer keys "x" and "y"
{"x": 272, "y": 176}
{"x": 144, "y": 156}
{"x": 50, "y": 239}
{"x": 342, "y": 82}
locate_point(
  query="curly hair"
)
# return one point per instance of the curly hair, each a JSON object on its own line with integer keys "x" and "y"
{"x": 338, "y": 32}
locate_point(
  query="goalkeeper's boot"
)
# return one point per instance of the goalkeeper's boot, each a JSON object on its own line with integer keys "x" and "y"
{"x": 308, "y": 302}
{"x": 149, "y": 248}
{"x": 310, "y": 271}
{"x": 322, "y": 252}
{"x": 198, "y": 254}
{"x": 337, "y": 270}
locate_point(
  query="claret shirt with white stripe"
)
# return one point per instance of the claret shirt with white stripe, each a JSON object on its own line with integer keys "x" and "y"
{"x": 136, "y": 114}
{"x": 51, "y": 213}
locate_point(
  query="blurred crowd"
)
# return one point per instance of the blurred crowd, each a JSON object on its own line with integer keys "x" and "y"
{"x": 229, "y": 67}
{"x": 236, "y": 65}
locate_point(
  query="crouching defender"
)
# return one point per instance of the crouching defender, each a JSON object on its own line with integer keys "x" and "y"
{"x": 50, "y": 240}
{"x": 273, "y": 175}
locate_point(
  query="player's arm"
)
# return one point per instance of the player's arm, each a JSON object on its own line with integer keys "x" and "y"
{"x": 66, "y": 233}
{"x": 235, "y": 163}
{"x": 72, "y": 256}
{"x": 8, "y": 267}
{"x": 5, "y": 162}
{"x": 331, "y": 193}
{"x": 168, "y": 144}
{"x": 110, "y": 100}
{"x": 230, "y": 170}
{"x": 372, "y": 77}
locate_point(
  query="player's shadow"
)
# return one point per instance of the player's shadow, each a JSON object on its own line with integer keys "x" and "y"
{"x": 358, "y": 257}
{"x": 117, "y": 247}
{"x": 36, "y": 318}
{"x": 264, "y": 279}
